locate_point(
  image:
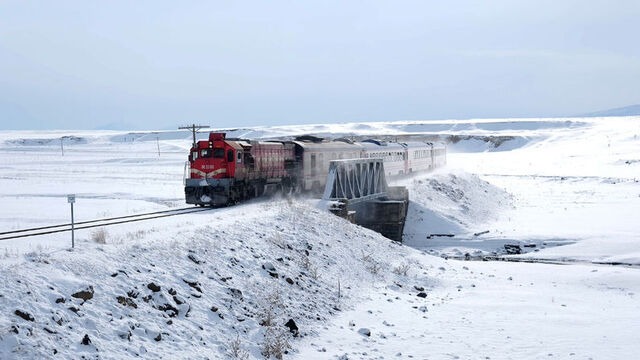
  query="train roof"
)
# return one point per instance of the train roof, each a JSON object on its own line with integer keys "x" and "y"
{"x": 309, "y": 138}
{"x": 376, "y": 141}
{"x": 376, "y": 146}
{"x": 328, "y": 145}
{"x": 418, "y": 144}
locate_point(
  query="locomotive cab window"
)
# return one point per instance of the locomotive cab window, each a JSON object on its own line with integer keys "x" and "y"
{"x": 230, "y": 155}
{"x": 218, "y": 153}
{"x": 205, "y": 153}
{"x": 239, "y": 157}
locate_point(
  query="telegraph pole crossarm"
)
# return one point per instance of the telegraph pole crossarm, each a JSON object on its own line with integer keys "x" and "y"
{"x": 194, "y": 128}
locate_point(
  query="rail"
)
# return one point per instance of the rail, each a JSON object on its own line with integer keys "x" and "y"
{"x": 52, "y": 229}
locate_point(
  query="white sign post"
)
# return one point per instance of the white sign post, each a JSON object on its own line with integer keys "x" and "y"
{"x": 72, "y": 199}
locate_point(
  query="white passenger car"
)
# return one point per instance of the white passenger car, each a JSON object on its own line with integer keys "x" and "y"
{"x": 393, "y": 155}
{"x": 314, "y": 155}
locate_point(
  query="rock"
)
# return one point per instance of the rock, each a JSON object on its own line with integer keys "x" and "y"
{"x": 422, "y": 294}
{"x": 25, "y": 315}
{"x": 193, "y": 284}
{"x": 171, "y": 310}
{"x": 364, "y": 332}
{"x": 418, "y": 288}
{"x": 270, "y": 269}
{"x": 178, "y": 300}
{"x": 153, "y": 287}
{"x": 127, "y": 302}
{"x": 512, "y": 249}
{"x": 86, "y": 340}
{"x": 194, "y": 259}
{"x": 289, "y": 280}
{"x": 125, "y": 335}
{"x": 85, "y": 295}
{"x": 292, "y": 327}
{"x": 236, "y": 293}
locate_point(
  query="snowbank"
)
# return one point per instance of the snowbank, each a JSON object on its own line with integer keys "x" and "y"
{"x": 201, "y": 291}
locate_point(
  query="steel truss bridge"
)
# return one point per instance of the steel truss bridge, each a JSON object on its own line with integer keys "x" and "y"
{"x": 356, "y": 180}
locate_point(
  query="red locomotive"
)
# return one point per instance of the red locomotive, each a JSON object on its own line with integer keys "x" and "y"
{"x": 226, "y": 171}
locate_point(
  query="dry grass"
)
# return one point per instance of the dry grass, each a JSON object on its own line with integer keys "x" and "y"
{"x": 99, "y": 236}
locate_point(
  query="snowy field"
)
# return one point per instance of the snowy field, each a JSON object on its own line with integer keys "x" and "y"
{"x": 223, "y": 283}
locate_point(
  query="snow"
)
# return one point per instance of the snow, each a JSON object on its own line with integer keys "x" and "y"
{"x": 222, "y": 283}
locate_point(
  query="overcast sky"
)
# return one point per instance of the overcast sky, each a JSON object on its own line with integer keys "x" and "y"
{"x": 160, "y": 64}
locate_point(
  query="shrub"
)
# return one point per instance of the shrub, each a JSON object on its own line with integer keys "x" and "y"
{"x": 276, "y": 342}
{"x": 236, "y": 351}
{"x": 402, "y": 269}
{"x": 99, "y": 236}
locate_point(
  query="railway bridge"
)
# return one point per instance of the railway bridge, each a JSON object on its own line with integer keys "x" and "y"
{"x": 357, "y": 190}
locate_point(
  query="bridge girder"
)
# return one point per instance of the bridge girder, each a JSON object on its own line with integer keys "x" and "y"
{"x": 356, "y": 180}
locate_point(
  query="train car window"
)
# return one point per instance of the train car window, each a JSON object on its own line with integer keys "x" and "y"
{"x": 205, "y": 153}
{"x": 218, "y": 153}
{"x": 230, "y": 156}
{"x": 248, "y": 159}
{"x": 313, "y": 164}
{"x": 194, "y": 155}
{"x": 239, "y": 157}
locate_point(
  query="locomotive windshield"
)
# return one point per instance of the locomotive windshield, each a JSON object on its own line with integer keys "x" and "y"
{"x": 208, "y": 153}
{"x": 218, "y": 153}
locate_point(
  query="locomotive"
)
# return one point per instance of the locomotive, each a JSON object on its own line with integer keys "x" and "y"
{"x": 226, "y": 171}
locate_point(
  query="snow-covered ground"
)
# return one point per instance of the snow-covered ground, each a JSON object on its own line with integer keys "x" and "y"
{"x": 223, "y": 283}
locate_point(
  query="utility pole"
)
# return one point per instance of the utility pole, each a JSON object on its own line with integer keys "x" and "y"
{"x": 194, "y": 128}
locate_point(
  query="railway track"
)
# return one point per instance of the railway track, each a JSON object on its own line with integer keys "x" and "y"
{"x": 88, "y": 224}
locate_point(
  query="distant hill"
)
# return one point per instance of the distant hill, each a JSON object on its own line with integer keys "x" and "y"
{"x": 115, "y": 126}
{"x": 633, "y": 110}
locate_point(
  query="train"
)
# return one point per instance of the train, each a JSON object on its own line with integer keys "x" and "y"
{"x": 224, "y": 171}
